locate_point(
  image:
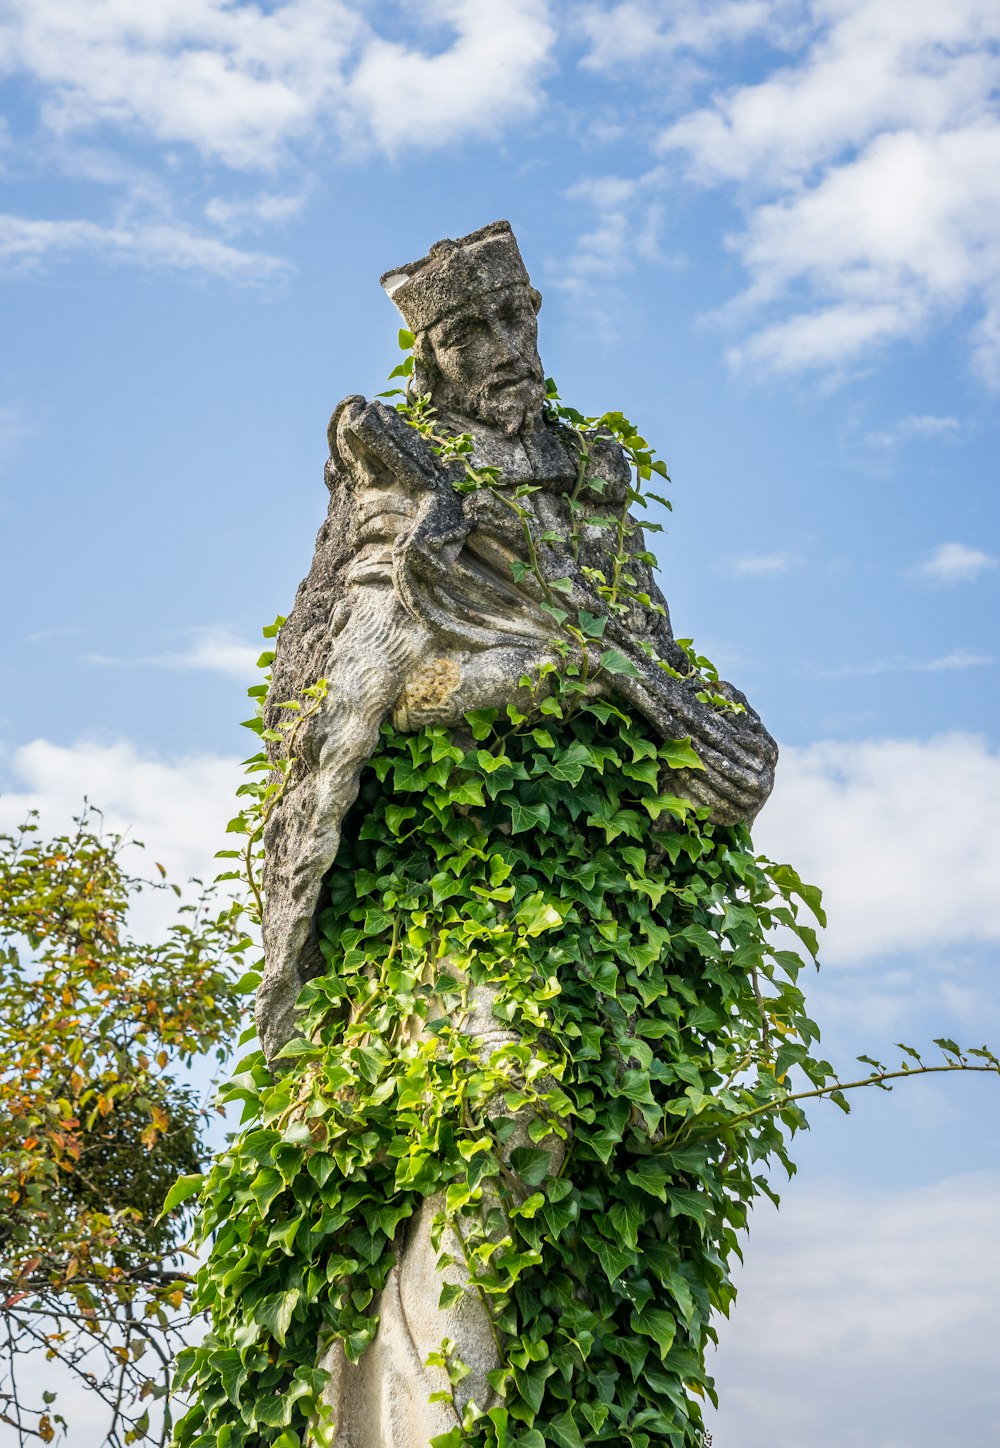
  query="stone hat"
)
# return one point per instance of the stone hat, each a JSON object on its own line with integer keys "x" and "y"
{"x": 454, "y": 272}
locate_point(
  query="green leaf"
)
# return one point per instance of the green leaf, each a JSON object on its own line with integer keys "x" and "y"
{"x": 679, "y": 754}
{"x": 183, "y": 1188}
{"x": 659, "y": 1325}
{"x": 651, "y": 1174}
{"x": 615, "y": 662}
{"x": 275, "y": 1313}
{"x": 592, "y": 624}
{"x": 563, "y": 1431}
{"x": 788, "y": 881}
{"x": 265, "y": 1186}
{"x": 536, "y": 914}
{"x": 614, "y": 1260}
{"x": 481, "y": 722}
{"x": 532, "y": 1164}
{"x": 527, "y": 816}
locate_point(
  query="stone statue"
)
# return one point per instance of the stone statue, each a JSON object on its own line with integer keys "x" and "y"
{"x": 414, "y": 610}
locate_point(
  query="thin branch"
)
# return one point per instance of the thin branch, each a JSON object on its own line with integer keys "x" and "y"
{"x": 875, "y": 1079}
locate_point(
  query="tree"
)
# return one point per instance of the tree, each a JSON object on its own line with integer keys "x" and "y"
{"x": 97, "y": 1032}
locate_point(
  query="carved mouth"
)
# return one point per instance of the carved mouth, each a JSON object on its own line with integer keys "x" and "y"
{"x": 509, "y": 384}
{"x": 373, "y": 564}
{"x": 389, "y": 519}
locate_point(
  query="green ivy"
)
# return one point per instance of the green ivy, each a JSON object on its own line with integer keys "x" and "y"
{"x": 598, "y": 1168}
{"x": 629, "y": 944}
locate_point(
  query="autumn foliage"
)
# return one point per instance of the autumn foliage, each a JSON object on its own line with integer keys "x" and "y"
{"x": 98, "y": 1032}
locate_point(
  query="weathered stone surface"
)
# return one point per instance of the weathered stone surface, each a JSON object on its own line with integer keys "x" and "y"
{"x": 411, "y": 612}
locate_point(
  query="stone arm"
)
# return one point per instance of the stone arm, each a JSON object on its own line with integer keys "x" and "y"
{"x": 349, "y": 627}
{"x": 414, "y": 609}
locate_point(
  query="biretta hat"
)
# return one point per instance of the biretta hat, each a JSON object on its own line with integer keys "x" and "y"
{"x": 454, "y": 272}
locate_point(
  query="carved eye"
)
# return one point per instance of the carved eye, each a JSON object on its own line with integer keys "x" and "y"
{"x": 515, "y": 311}
{"x": 462, "y": 335}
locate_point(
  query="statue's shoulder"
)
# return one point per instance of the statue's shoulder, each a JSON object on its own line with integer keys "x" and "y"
{"x": 606, "y": 459}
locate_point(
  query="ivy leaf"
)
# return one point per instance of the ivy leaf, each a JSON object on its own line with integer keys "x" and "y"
{"x": 651, "y": 1175}
{"x": 626, "y": 1219}
{"x": 788, "y": 881}
{"x": 613, "y": 1259}
{"x": 686, "y": 1203}
{"x": 564, "y": 1432}
{"x": 481, "y": 722}
{"x": 658, "y": 1324}
{"x": 275, "y": 1313}
{"x": 531, "y": 1163}
{"x": 592, "y": 624}
{"x": 634, "y": 1352}
{"x": 265, "y": 1187}
{"x": 679, "y": 754}
{"x": 527, "y": 816}
{"x": 182, "y": 1189}
{"x": 615, "y": 662}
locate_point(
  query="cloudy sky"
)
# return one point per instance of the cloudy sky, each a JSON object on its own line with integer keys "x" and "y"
{"x": 769, "y": 230}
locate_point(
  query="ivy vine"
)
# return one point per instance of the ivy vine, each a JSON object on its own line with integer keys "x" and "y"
{"x": 599, "y": 1168}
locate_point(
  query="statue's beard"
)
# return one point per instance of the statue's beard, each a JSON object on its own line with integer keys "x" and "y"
{"x": 508, "y": 407}
{"x": 511, "y": 409}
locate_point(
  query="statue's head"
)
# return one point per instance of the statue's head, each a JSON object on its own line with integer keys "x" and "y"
{"x": 473, "y": 313}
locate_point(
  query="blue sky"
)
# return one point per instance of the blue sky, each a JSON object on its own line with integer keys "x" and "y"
{"x": 769, "y": 231}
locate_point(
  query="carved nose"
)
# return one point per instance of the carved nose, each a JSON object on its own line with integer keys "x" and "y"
{"x": 504, "y": 347}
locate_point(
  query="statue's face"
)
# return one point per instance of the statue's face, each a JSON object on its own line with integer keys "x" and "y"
{"x": 486, "y": 354}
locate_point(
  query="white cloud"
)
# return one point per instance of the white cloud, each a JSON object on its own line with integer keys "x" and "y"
{"x": 265, "y": 209}
{"x": 627, "y": 226}
{"x": 255, "y": 88}
{"x": 26, "y": 243}
{"x": 213, "y": 650}
{"x": 901, "y": 836}
{"x": 177, "y": 807}
{"x": 872, "y": 67}
{"x": 944, "y": 663}
{"x": 864, "y": 1317}
{"x": 956, "y": 563}
{"x": 926, "y": 425}
{"x": 241, "y": 83}
{"x": 869, "y": 172}
{"x": 405, "y": 97}
{"x": 42, "y": 635}
{"x": 923, "y": 425}
{"x": 639, "y": 30}
{"x": 763, "y": 565}
{"x": 957, "y": 659}
{"x": 235, "y": 81}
